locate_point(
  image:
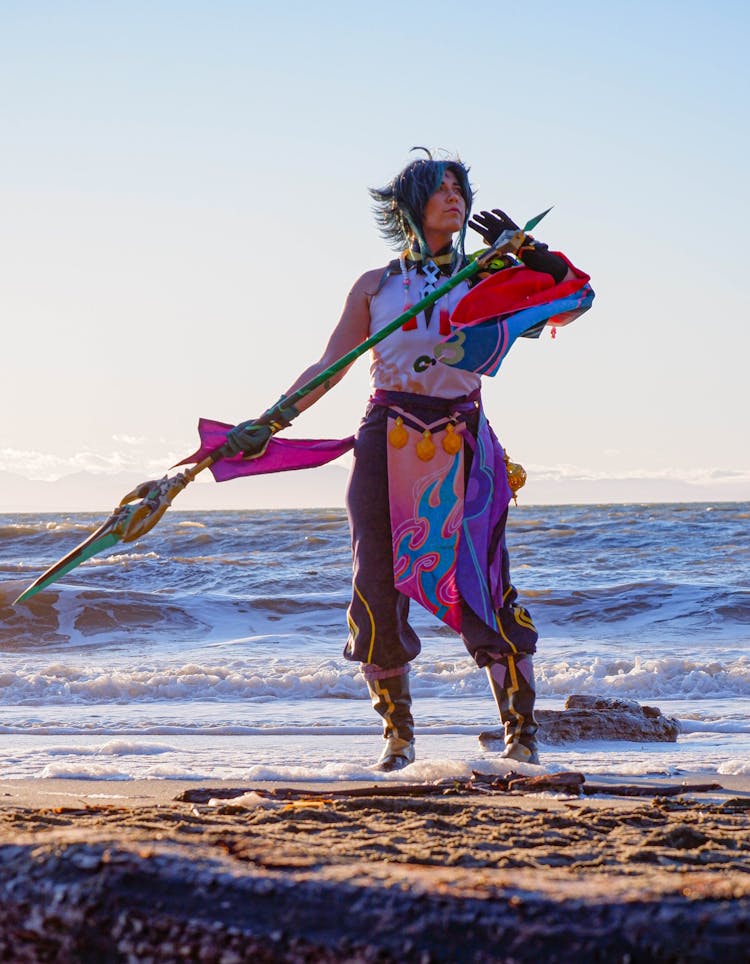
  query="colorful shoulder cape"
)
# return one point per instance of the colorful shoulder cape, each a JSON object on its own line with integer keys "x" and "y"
{"x": 512, "y": 303}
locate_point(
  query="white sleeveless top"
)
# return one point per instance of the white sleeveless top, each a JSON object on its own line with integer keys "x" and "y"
{"x": 404, "y": 361}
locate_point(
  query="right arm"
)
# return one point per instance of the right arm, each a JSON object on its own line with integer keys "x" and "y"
{"x": 352, "y": 329}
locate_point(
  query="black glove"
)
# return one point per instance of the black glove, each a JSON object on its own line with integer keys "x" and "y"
{"x": 534, "y": 254}
{"x": 491, "y": 224}
{"x": 538, "y": 257}
{"x": 252, "y": 437}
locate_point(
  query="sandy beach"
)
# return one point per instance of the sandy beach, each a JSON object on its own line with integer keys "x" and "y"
{"x": 171, "y": 871}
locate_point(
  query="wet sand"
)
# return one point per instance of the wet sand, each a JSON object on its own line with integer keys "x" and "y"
{"x": 125, "y": 871}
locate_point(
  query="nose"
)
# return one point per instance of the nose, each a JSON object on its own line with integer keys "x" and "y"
{"x": 454, "y": 196}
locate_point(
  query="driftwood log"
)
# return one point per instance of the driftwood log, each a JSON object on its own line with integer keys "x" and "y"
{"x": 599, "y": 718}
{"x": 570, "y": 782}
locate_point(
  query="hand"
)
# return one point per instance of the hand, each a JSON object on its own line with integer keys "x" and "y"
{"x": 250, "y": 438}
{"x": 491, "y": 224}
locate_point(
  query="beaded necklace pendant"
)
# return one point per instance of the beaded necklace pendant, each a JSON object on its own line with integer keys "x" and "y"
{"x": 405, "y": 280}
{"x": 411, "y": 324}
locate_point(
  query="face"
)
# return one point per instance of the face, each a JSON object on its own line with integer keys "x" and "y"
{"x": 445, "y": 211}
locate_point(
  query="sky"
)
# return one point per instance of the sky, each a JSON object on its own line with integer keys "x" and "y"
{"x": 184, "y": 207}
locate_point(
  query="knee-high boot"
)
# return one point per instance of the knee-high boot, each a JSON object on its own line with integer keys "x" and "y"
{"x": 512, "y": 683}
{"x": 392, "y": 700}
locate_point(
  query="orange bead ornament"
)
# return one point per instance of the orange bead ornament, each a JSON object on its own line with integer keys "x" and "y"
{"x": 426, "y": 447}
{"x": 398, "y": 436}
{"x": 516, "y": 476}
{"x": 452, "y": 441}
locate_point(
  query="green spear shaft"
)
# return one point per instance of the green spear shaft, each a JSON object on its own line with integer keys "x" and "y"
{"x": 508, "y": 241}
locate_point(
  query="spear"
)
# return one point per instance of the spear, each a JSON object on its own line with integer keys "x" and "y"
{"x": 140, "y": 510}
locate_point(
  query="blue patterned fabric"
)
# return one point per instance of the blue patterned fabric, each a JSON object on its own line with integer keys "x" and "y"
{"x": 482, "y": 347}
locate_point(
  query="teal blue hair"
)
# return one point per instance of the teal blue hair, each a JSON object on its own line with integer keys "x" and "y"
{"x": 399, "y": 206}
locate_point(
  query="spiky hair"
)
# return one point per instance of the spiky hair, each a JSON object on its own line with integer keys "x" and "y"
{"x": 399, "y": 206}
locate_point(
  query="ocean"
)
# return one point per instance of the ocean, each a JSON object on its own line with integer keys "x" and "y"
{"x": 211, "y": 649}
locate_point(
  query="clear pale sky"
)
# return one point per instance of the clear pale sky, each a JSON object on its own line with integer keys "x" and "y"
{"x": 184, "y": 209}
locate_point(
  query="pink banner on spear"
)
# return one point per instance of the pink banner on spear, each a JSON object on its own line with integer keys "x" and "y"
{"x": 282, "y": 455}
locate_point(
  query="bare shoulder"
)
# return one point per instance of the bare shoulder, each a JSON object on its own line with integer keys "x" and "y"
{"x": 354, "y": 323}
{"x": 367, "y": 284}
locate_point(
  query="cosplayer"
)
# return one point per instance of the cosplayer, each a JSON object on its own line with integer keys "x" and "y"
{"x": 428, "y": 493}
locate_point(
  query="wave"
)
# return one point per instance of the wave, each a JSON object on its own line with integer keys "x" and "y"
{"x": 425, "y": 771}
{"x": 61, "y": 684}
{"x": 646, "y": 679}
{"x": 240, "y": 680}
{"x": 634, "y": 606}
{"x": 120, "y": 746}
{"x": 65, "y": 614}
{"x": 691, "y": 725}
{"x": 69, "y": 617}
{"x": 46, "y": 529}
{"x": 318, "y": 767}
{"x": 123, "y": 747}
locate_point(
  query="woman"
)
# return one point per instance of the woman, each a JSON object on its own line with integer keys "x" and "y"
{"x": 428, "y": 493}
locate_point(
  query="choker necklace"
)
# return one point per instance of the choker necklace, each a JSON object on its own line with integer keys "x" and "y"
{"x": 415, "y": 257}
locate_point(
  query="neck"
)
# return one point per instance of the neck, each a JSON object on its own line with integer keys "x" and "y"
{"x": 437, "y": 240}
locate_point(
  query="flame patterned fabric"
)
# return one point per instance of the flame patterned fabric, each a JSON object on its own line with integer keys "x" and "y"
{"x": 448, "y": 537}
{"x": 426, "y": 502}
